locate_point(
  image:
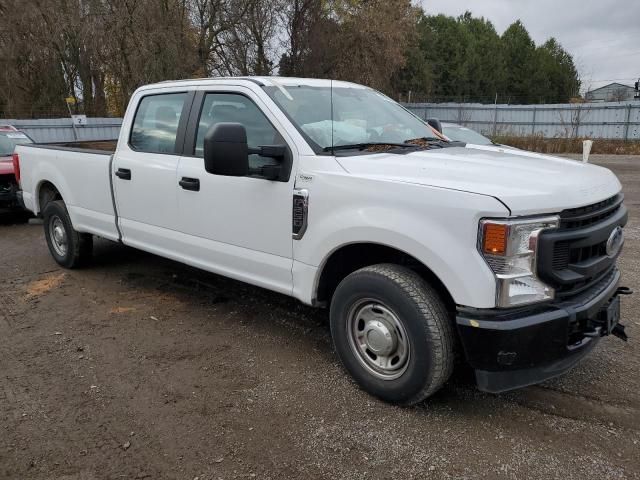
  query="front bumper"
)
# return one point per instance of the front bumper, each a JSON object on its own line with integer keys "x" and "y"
{"x": 514, "y": 349}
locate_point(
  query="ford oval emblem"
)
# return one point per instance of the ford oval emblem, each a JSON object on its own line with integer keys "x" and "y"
{"x": 615, "y": 241}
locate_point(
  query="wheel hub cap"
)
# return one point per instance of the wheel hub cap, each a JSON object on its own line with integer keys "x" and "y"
{"x": 58, "y": 236}
{"x": 378, "y": 339}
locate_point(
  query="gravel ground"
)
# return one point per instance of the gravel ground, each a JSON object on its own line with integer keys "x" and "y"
{"x": 139, "y": 367}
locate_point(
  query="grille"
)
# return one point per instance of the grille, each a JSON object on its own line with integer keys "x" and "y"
{"x": 578, "y": 255}
{"x": 591, "y": 214}
{"x": 580, "y": 286}
{"x": 563, "y": 255}
{"x": 573, "y": 257}
{"x": 575, "y": 218}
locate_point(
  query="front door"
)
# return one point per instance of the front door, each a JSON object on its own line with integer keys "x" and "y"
{"x": 237, "y": 226}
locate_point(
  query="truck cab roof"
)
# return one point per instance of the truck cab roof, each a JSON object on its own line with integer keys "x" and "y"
{"x": 262, "y": 81}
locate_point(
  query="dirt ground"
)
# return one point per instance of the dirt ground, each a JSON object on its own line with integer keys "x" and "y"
{"x": 142, "y": 368}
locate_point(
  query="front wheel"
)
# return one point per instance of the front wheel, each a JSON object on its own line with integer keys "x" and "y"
{"x": 68, "y": 247}
{"x": 392, "y": 333}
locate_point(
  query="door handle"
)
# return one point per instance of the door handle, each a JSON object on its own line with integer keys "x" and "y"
{"x": 123, "y": 174}
{"x": 192, "y": 184}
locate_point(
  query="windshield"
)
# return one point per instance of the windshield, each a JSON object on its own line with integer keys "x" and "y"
{"x": 9, "y": 140}
{"x": 360, "y": 116}
{"x": 466, "y": 135}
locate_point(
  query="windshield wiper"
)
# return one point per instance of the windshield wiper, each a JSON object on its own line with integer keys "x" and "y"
{"x": 425, "y": 139}
{"x": 432, "y": 142}
{"x": 364, "y": 146}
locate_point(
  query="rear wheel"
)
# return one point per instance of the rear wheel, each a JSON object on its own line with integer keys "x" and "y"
{"x": 68, "y": 247}
{"x": 393, "y": 333}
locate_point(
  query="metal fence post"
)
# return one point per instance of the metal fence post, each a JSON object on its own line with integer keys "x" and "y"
{"x": 73, "y": 124}
{"x": 533, "y": 124}
{"x": 627, "y": 123}
{"x": 495, "y": 117}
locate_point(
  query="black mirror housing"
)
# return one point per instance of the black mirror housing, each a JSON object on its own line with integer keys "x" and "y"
{"x": 435, "y": 123}
{"x": 226, "y": 151}
{"x": 272, "y": 151}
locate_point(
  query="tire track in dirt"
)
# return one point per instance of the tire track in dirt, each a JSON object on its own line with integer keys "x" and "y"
{"x": 570, "y": 406}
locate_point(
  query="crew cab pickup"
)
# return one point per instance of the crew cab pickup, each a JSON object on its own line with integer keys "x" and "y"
{"x": 330, "y": 192}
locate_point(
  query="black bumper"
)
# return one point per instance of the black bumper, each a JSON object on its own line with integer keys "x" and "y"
{"x": 8, "y": 192}
{"x": 514, "y": 349}
{"x": 20, "y": 200}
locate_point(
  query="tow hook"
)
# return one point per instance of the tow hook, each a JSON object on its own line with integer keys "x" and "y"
{"x": 608, "y": 320}
{"x": 618, "y": 329}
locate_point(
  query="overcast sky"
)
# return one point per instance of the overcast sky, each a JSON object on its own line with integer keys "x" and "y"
{"x": 602, "y": 35}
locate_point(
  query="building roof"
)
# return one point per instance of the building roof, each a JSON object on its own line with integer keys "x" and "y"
{"x": 614, "y": 85}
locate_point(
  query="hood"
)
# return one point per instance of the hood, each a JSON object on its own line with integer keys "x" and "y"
{"x": 527, "y": 183}
{"x": 6, "y": 165}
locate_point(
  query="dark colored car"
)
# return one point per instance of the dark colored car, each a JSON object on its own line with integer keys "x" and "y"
{"x": 9, "y": 138}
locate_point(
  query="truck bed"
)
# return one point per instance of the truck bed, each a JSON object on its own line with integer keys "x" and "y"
{"x": 80, "y": 172}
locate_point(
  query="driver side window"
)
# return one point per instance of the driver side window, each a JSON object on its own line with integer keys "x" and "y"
{"x": 236, "y": 108}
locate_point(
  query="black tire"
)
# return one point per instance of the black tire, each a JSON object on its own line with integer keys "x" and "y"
{"x": 79, "y": 246}
{"x": 427, "y": 325}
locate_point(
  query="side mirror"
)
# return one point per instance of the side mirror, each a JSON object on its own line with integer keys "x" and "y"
{"x": 273, "y": 151}
{"x": 435, "y": 123}
{"x": 226, "y": 151}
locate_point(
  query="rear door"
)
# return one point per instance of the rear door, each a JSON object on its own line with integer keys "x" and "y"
{"x": 145, "y": 167}
{"x": 237, "y": 226}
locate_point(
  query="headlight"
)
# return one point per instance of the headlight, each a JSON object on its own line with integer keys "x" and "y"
{"x": 510, "y": 248}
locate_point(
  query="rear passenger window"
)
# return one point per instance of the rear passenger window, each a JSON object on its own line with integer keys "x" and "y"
{"x": 230, "y": 107}
{"x": 155, "y": 126}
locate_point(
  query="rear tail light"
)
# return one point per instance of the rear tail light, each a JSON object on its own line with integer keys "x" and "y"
{"x": 16, "y": 166}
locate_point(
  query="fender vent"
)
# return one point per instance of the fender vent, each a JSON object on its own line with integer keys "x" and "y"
{"x": 300, "y": 212}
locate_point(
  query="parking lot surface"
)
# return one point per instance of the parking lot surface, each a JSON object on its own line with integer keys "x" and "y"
{"x": 138, "y": 367}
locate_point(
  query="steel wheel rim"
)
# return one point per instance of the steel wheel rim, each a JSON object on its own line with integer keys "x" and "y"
{"x": 58, "y": 236}
{"x": 378, "y": 339}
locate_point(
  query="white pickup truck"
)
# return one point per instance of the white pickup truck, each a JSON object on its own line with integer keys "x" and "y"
{"x": 424, "y": 250}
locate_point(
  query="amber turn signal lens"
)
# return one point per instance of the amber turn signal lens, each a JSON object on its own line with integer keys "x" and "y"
{"x": 494, "y": 240}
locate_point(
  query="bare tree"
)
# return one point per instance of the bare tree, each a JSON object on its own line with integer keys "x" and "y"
{"x": 32, "y": 79}
{"x": 251, "y": 45}
{"x": 573, "y": 119}
{"x": 358, "y": 40}
{"x": 302, "y": 21}
{"x": 619, "y": 94}
{"x": 100, "y": 51}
